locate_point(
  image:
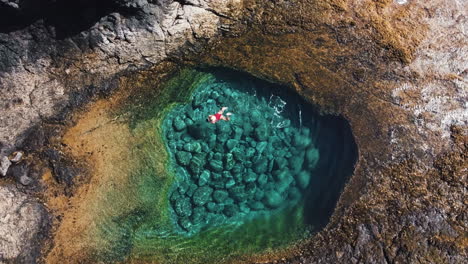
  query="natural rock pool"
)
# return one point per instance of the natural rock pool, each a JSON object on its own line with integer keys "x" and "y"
{"x": 255, "y": 165}
{"x": 198, "y": 192}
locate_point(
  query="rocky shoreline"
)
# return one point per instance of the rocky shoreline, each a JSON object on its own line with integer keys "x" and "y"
{"x": 396, "y": 70}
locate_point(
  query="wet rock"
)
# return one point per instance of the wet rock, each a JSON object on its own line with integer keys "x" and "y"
{"x": 247, "y": 129}
{"x": 202, "y": 195}
{"x": 237, "y": 168}
{"x": 200, "y": 130}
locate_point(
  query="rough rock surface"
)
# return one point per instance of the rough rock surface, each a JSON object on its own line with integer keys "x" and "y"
{"x": 397, "y": 70}
{"x": 22, "y": 222}
{"x": 41, "y": 72}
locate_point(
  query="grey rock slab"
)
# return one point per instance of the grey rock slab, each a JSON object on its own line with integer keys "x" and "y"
{"x": 21, "y": 220}
{"x": 4, "y": 165}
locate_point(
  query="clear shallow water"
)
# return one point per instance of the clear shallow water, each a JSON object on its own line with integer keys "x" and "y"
{"x": 255, "y": 165}
{"x": 262, "y": 181}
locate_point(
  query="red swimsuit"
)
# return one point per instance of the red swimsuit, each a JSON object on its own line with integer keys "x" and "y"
{"x": 218, "y": 116}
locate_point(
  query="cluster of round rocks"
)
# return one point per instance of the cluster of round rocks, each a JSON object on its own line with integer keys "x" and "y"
{"x": 233, "y": 169}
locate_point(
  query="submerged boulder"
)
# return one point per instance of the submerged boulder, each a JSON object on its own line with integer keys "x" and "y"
{"x": 179, "y": 124}
{"x": 183, "y": 157}
{"x": 202, "y": 195}
{"x": 303, "y": 179}
{"x": 273, "y": 199}
{"x": 312, "y": 157}
{"x": 220, "y": 196}
{"x": 216, "y": 165}
{"x": 183, "y": 207}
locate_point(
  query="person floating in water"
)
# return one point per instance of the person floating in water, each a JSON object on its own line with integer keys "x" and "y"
{"x": 219, "y": 116}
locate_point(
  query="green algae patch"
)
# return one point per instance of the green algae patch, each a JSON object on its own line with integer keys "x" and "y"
{"x": 211, "y": 193}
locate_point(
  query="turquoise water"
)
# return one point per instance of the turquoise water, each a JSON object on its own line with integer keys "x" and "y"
{"x": 256, "y": 164}
{"x": 260, "y": 182}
